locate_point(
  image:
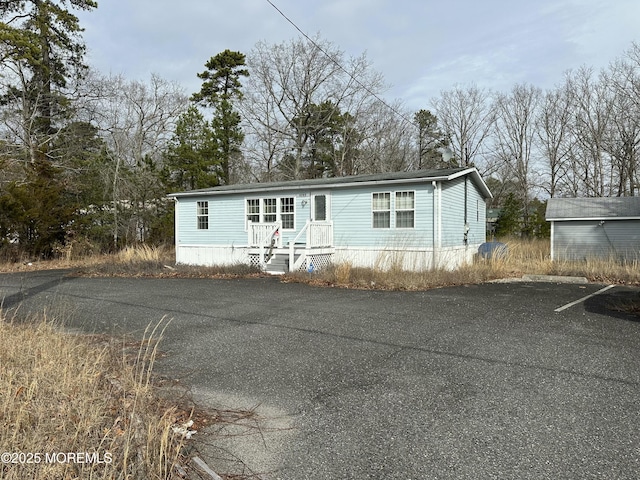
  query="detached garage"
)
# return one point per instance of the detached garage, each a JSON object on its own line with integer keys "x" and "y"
{"x": 582, "y": 228}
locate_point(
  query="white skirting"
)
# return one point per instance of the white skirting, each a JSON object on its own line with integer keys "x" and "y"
{"x": 383, "y": 258}
{"x": 410, "y": 259}
{"x": 209, "y": 255}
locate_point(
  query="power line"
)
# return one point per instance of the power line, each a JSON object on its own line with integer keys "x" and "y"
{"x": 369, "y": 91}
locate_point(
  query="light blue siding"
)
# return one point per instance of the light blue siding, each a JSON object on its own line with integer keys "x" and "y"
{"x": 453, "y": 213}
{"x": 453, "y": 210}
{"x": 227, "y": 225}
{"x": 477, "y": 216}
{"x": 351, "y": 212}
{"x": 353, "y": 218}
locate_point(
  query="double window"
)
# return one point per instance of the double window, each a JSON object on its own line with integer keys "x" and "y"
{"x": 203, "y": 215}
{"x": 381, "y": 207}
{"x": 253, "y": 210}
{"x": 287, "y": 207}
{"x": 270, "y": 210}
{"x": 405, "y": 209}
{"x": 397, "y": 209}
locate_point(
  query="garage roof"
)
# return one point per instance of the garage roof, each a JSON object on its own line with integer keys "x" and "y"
{"x": 599, "y": 208}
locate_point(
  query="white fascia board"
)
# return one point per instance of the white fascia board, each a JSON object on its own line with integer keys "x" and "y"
{"x": 471, "y": 170}
{"x": 476, "y": 175}
{"x": 324, "y": 186}
{"x": 583, "y": 219}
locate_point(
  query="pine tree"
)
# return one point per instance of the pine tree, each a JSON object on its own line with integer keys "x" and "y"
{"x": 510, "y": 218}
{"x": 42, "y": 52}
{"x": 192, "y": 158}
{"x": 430, "y": 141}
{"x": 221, "y": 87}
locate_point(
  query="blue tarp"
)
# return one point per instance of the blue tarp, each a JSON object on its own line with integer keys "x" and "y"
{"x": 493, "y": 250}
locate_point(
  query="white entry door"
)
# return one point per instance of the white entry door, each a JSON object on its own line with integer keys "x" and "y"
{"x": 320, "y": 207}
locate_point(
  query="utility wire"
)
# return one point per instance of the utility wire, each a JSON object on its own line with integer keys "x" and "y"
{"x": 369, "y": 91}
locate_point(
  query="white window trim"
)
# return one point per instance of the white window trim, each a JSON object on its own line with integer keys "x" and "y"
{"x": 246, "y": 212}
{"x": 327, "y": 199}
{"x": 374, "y": 211}
{"x": 199, "y": 215}
{"x": 396, "y": 210}
{"x": 393, "y": 210}
{"x": 278, "y": 214}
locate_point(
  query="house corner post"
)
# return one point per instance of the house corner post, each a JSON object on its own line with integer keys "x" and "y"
{"x": 176, "y": 230}
{"x": 437, "y": 221}
{"x": 551, "y": 240}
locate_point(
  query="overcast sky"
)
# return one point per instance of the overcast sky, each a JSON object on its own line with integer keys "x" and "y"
{"x": 420, "y": 46}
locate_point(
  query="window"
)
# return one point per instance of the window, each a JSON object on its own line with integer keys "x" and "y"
{"x": 405, "y": 209}
{"x": 381, "y": 207}
{"x": 253, "y": 210}
{"x": 203, "y": 215}
{"x": 286, "y": 213}
{"x": 320, "y": 207}
{"x": 270, "y": 210}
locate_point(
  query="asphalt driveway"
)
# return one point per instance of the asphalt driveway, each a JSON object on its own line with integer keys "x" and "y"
{"x": 469, "y": 382}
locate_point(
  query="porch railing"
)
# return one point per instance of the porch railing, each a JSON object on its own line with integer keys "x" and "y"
{"x": 317, "y": 234}
{"x": 265, "y": 236}
{"x": 320, "y": 234}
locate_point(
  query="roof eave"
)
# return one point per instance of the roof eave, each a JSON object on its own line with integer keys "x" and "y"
{"x": 266, "y": 187}
{"x": 476, "y": 175}
{"x": 575, "y": 219}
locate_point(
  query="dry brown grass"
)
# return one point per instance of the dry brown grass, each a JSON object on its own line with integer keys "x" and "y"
{"x": 348, "y": 276}
{"x": 534, "y": 257}
{"x": 524, "y": 257}
{"x": 134, "y": 261}
{"x": 61, "y": 394}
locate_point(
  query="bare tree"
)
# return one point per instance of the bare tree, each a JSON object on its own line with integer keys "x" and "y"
{"x": 515, "y": 134}
{"x": 622, "y": 136}
{"x": 287, "y": 83}
{"x": 553, "y": 128}
{"x": 467, "y": 117}
{"x": 136, "y": 121}
{"x": 387, "y": 144}
{"x": 591, "y": 116}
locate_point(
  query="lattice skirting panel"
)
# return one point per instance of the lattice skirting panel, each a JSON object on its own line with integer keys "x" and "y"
{"x": 254, "y": 260}
{"x": 316, "y": 262}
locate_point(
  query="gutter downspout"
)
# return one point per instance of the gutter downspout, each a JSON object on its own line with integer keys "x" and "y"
{"x": 175, "y": 226}
{"x": 465, "y": 239}
{"x": 437, "y": 221}
{"x": 552, "y": 241}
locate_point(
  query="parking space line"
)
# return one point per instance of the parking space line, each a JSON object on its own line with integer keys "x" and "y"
{"x": 564, "y": 307}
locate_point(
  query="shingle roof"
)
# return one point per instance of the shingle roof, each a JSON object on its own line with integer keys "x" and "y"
{"x": 425, "y": 175}
{"x": 593, "y": 208}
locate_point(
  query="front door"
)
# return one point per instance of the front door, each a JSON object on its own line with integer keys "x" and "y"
{"x": 320, "y": 207}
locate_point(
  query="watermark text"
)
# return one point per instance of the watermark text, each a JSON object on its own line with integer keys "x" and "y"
{"x": 28, "y": 458}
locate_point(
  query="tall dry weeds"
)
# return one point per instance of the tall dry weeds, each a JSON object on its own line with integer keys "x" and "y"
{"x": 72, "y": 409}
{"x": 525, "y": 256}
{"x": 141, "y": 254}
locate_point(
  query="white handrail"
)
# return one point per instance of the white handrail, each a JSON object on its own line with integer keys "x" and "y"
{"x": 318, "y": 234}
{"x": 264, "y": 235}
{"x": 261, "y": 233}
{"x": 292, "y": 245}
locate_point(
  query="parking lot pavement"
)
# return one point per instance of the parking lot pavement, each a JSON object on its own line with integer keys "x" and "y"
{"x": 485, "y": 381}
